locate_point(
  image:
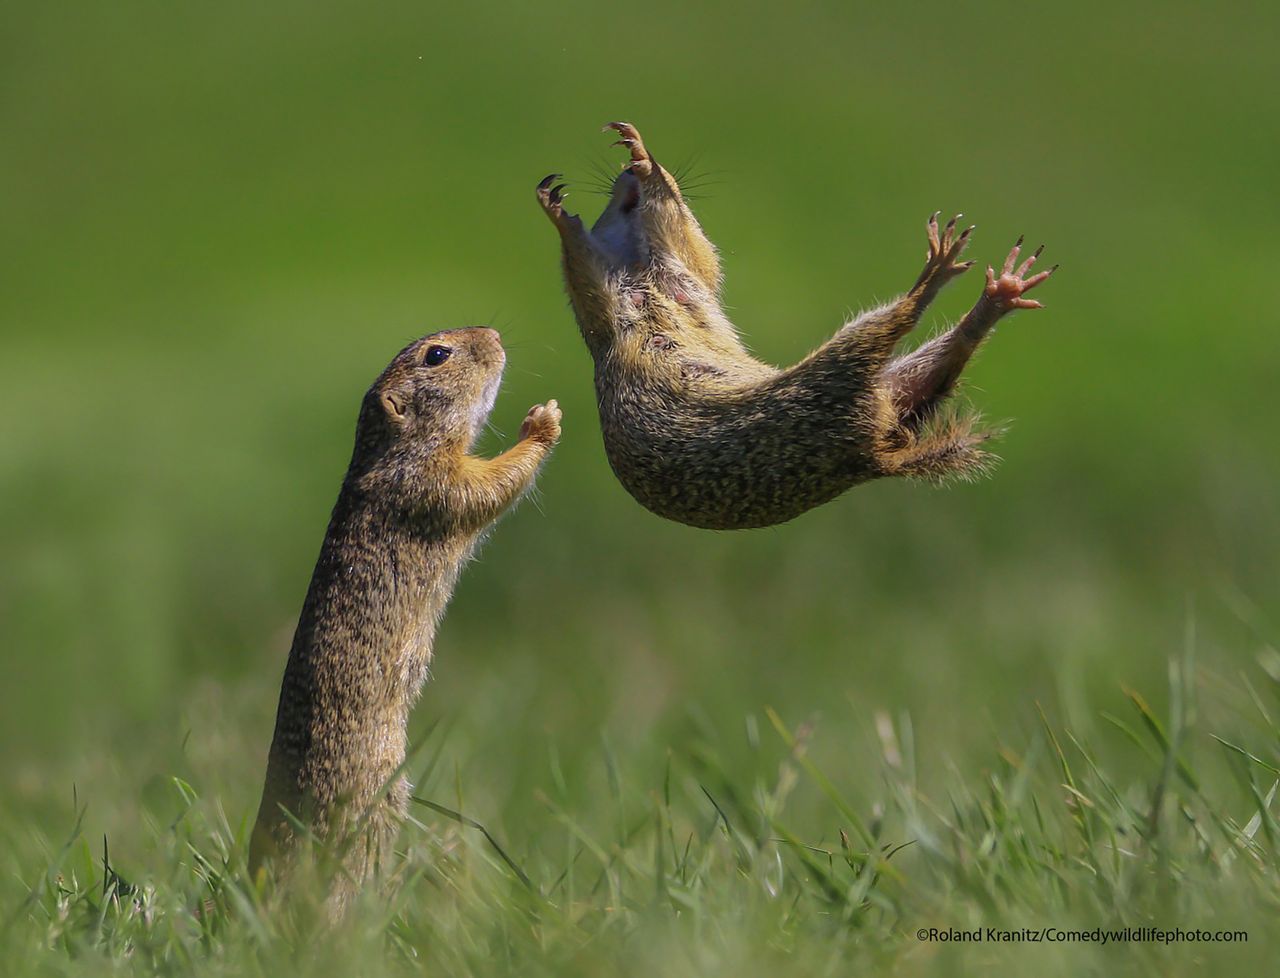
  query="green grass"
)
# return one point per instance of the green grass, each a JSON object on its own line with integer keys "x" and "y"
{"x": 706, "y": 871}
{"x": 219, "y": 225}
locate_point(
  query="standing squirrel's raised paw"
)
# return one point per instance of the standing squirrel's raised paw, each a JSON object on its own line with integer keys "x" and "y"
{"x": 542, "y": 423}
{"x": 1006, "y": 289}
{"x": 945, "y": 248}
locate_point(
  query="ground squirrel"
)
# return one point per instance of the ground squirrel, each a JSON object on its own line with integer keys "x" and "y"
{"x": 412, "y": 507}
{"x": 701, "y": 432}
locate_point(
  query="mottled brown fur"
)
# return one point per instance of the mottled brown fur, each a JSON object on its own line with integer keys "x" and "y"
{"x": 412, "y": 507}
{"x": 701, "y": 432}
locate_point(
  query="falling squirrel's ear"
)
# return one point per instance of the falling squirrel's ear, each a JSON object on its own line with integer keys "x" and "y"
{"x": 395, "y": 404}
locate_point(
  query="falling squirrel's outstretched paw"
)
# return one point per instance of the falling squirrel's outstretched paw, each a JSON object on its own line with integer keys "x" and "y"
{"x": 641, "y": 162}
{"x": 551, "y": 195}
{"x": 945, "y": 249}
{"x": 1007, "y": 288}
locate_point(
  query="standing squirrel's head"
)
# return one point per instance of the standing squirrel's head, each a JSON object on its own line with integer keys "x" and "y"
{"x": 435, "y": 395}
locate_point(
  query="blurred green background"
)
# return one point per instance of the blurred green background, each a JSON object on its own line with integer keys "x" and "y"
{"x": 220, "y": 222}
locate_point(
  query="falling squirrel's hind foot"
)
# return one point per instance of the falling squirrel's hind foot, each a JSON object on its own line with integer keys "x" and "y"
{"x": 948, "y": 449}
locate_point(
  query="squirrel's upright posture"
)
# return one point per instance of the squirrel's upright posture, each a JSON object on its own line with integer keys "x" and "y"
{"x": 412, "y": 506}
{"x": 701, "y": 432}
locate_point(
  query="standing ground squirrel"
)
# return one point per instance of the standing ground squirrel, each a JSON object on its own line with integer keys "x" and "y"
{"x": 412, "y": 507}
{"x": 701, "y": 432}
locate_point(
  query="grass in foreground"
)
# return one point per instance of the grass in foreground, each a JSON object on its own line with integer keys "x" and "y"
{"x": 705, "y": 874}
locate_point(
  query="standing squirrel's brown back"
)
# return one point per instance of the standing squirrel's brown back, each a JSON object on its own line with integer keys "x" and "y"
{"x": 411, "y": 508}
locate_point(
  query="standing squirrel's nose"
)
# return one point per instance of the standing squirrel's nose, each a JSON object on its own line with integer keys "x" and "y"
{"x": 486, "y": 336}
{"x": 489, "y": 340}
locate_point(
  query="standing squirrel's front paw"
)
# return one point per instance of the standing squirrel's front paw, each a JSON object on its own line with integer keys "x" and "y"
{"x": 542, "y": 424}
{"x": 945, "y": 248}
{"x": 1006, "y": 289}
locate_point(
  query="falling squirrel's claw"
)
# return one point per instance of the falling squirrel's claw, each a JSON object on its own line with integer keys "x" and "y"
{"x": 641, "y": 162}
{"x": 945, "y": 248}
{"x": 1012, "y": 259}
{"x": 549, "y": 191}
{"x": 1026, "y": 265}
{"x": 1007, "y": 288}
{"x": 935, "y": 235}
{"x": 551, "y": 195}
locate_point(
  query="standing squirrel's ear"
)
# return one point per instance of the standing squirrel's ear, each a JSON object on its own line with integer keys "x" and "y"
{"x": 395, "y": 404}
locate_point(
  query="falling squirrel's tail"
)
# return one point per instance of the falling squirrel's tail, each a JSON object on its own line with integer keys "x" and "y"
{"x": 947, "y": 449}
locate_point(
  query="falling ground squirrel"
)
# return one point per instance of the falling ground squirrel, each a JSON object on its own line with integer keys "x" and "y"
{"x": 701, "y": 432}
{"x": 413, "y": 504}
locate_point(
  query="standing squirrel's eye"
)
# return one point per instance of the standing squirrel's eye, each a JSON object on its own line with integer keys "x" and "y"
{"x": 436, "y": 355}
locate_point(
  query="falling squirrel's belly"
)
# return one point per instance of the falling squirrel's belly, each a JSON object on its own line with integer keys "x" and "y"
{"x": 730, "y": 465}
